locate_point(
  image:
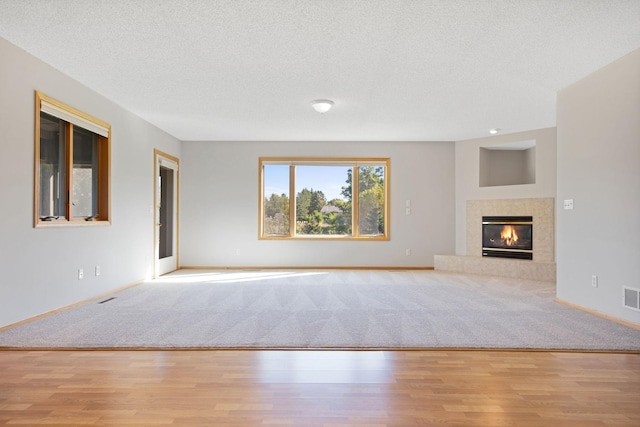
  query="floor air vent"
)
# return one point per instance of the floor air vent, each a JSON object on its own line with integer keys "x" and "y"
{"x": 631, "y": 298}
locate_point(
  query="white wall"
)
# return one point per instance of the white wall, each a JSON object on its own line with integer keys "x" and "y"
{"x": 219, "y": 206}
{"x": 599, "y": 168}
{"x": 39, "y": 266}
{"x": 467, "y": 179}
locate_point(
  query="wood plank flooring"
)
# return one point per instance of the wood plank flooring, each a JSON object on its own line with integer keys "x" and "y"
{"x": 319, "y": 388}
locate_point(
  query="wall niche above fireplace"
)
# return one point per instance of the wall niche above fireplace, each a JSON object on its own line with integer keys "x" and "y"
{"x": 508, "y": 164}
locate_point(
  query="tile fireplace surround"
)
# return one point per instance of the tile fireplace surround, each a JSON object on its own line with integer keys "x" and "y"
{"x": 542, "y": 267}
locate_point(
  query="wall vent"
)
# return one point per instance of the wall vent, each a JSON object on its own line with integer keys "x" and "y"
{"x": 631, "y": 298}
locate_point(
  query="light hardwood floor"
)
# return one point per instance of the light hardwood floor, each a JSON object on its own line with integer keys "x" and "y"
{"x": 319, "y": 388}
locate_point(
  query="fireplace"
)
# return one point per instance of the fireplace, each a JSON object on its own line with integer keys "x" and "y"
{"x": 507, "y": 237}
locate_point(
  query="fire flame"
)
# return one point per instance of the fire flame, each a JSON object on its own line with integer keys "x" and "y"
{"x": 509, "y": 235}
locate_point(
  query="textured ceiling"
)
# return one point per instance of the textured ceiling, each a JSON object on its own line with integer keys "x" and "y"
{"x": 396, "y": 69}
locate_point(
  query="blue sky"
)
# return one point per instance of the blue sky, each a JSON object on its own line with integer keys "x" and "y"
{"x": 328, "y": 179}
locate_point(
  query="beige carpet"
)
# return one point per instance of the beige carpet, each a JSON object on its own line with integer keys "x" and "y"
{"x": 327, "y": 309}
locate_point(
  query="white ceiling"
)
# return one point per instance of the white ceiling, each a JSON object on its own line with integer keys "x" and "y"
{"x": 397, "y": 69}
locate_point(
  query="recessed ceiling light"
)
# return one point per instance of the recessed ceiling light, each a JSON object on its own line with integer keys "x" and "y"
{"x": 322, "y": 105}
{"x": 494, "y": 131}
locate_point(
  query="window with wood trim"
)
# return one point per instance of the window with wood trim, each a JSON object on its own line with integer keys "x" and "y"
{"x": 315, "y": 198}
{"x": 72, "y": 166}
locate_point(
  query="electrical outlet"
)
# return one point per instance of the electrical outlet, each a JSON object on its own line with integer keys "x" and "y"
{"x": 407, "y": 252}
{"x": 80, "y": 274}
{"x": 407, "y": 211}
{"x": 97, "y": 271}
{"x": 237, "y": 251}
{"x": 568, "y": 204}
{"x": 594, "y": 281}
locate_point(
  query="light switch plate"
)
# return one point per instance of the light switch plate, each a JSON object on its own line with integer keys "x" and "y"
{"x": 568, "y": 204}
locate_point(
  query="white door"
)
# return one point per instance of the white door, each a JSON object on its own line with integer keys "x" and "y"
{"x": 166, "y": 213}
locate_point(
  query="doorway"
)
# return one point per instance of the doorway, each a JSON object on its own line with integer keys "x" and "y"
{"x": 166, "y": 213}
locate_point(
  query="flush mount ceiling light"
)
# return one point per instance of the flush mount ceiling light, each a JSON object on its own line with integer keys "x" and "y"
{"x": 322, "y": 105}
{"x": 494, "y": 131}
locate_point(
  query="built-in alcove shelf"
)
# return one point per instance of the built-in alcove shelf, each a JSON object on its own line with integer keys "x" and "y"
{"x": 508, "y": 164}
{"x": 516, "y": 268}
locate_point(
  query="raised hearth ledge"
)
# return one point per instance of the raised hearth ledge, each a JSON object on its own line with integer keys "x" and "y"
{"x": 516, "y": 268}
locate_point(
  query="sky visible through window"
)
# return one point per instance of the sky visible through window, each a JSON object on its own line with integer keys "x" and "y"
{"x": 328, "y": 179}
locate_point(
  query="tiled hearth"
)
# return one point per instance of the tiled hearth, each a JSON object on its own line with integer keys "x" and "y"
{"x": 542, "y": 267}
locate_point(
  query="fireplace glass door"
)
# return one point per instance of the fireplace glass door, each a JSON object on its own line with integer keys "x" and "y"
{"x": 507, "y": 237}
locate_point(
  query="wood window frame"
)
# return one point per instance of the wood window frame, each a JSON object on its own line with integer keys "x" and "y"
{"x": 323, "y": 161}
{"x": 103, "y": 198}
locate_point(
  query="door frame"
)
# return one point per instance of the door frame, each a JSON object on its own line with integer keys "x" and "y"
{"x": 158, "y": 156}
